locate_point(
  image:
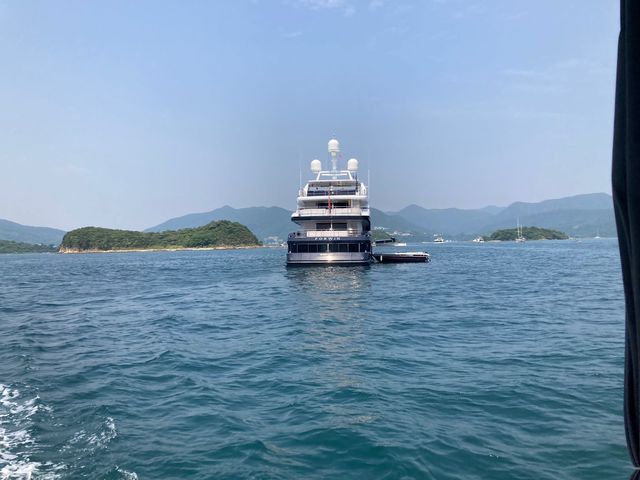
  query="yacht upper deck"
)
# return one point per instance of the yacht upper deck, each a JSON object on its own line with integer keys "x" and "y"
{"x": 340, "y": 183}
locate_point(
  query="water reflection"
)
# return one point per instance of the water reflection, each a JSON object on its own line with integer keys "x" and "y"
{"x": 327, "y": 278}
{"x": 333, "y": 316}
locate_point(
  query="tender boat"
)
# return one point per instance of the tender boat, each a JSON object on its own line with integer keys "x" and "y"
{"x": 402, "y": 257}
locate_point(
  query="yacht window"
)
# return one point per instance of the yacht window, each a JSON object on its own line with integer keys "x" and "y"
{"x": 334, "y": 247}
{"x": 344, "y": 247}
{"x": 327, "y": 226}
{"x": 322, "y": 247}
{"x": 313, "y": 248}
{"x": 353, "y": 247}
{"x": 303, "y": 248}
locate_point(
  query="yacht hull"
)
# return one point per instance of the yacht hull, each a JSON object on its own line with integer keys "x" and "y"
{"x": 338, "y": 258}
{"x": 328, "y": 250}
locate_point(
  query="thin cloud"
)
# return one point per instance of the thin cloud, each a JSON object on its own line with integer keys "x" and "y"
{"x": 345, "y": 7}
{"x": 513, "y": 16}
{"x": 349, "y": 11}
{"x": 556, "y": 77}
{"x": 375, "y": 5}
{"x": 471, "y": 10}
{"x": 295, "y": 34}
{"x": 321, "y": 4}
{"x": 508, "y": 114}
{"x": 527, "y": 74}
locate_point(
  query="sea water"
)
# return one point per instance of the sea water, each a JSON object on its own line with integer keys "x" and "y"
{"x": 494, "y": 361}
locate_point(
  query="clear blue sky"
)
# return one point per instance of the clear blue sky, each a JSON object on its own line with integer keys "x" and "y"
{"x": 123, "y": 114}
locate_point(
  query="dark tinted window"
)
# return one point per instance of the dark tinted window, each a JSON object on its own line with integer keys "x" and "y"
{"x": 344, "y": 247}
{"x": 353, "y": 247}
{"x": 333, "y": 247}
{"x": 328, "y": 226}
{"x": 322, "y": 247}
{"x": 303, "y": 248}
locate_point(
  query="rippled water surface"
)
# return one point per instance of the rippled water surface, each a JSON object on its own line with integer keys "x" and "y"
{"x": 495, "y": 361}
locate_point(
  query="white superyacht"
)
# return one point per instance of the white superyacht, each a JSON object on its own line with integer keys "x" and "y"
{"x": 333, "y": 215}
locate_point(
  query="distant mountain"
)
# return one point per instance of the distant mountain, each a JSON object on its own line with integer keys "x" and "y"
{"x": 447, "y": 220}
{"x": 267, "y": 222}
{"x": 591, "y": 201}
{"x": 264, "y": 222}
{"x": 579, "y": 215}
{"x": 393, "y": 223}
{"x": 26, "y": 234}
{"x": 492, "y": 209}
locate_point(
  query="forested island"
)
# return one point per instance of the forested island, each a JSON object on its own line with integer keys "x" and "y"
{"x": 529, "y": 233}
{"x": 7, "y": 246}
{"x": 218, "y": 234}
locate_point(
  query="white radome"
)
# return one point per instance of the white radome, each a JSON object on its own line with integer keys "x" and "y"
{"x": 316, "y": 166}
{"x": 352, "y": 165}
{"x": 334, "y": 146}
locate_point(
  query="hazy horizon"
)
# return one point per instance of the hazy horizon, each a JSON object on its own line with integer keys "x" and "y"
{"x": 145, "y": 226}
{"x": 125, "y": 115}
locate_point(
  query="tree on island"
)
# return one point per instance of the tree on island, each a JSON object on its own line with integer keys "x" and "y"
{"x": 529, "y": 233}
{"x": 222, "y": 233}
{"x": 8, "y": 246}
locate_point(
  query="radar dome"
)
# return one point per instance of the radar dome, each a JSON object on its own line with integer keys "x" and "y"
{"x": 352, "y": 165}
{"x": 316, "y": 166}
{"x": 334, "y": 146}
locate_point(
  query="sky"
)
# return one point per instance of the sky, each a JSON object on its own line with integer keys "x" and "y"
{"x": 123, "y": 114}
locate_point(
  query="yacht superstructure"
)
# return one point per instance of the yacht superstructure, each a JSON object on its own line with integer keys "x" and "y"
{"x": 333, "y": 215}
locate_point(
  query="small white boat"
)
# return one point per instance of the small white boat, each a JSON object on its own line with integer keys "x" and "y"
{"x": 438, "y": 239}
{"x": 478, "y": 240}
{"x": 519, "y": 237}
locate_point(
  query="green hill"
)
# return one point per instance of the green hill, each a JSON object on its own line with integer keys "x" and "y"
{"x": 529, "y": 233}
{"x": 7, "y": 246}
{"x": 222, "y": 233}
{"x": 579, "y": 215}
{"x": 264, "y": 222}
{"x": 16, "y": 232}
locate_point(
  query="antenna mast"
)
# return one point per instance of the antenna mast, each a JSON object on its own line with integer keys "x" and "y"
{"x": 334, "y": 150}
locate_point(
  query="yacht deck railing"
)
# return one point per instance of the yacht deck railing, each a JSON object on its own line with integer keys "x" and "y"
{"x": 331, "y": 211}
{"x": 327, "y": 233}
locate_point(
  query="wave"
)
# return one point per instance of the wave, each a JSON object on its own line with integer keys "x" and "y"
{"x": 16, "y": 441}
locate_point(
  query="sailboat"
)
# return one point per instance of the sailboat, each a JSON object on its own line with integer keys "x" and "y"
{"x": 519, "y": 237}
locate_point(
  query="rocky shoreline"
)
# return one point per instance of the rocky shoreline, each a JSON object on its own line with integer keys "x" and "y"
{"x": 74, "y": 251}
